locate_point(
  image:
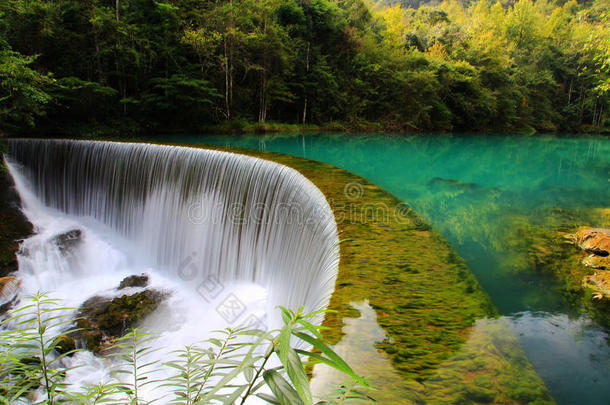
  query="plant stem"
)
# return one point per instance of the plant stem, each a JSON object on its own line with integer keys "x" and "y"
{"x": 135, "y": 366}
{"x": 43, "y": 359}
{"x": 211, "y": 369}
{"x": 189, "y": 363}
{"x": 258, "y": 372}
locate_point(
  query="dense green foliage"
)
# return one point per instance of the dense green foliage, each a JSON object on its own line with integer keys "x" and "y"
{"x": 102, "y": 66}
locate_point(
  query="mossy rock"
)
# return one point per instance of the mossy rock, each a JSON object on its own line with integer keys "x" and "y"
{"x": 592, "y": 240}
{"x": 597, "y": 262}
{"x": 68, "y": 241}
{"x": 134, "y": 281}
{"x": 65, "y": 344}
{"x": 103, "y": 319}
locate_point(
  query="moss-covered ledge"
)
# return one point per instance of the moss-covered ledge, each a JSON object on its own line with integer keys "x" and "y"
{"x": 442, "y": 335}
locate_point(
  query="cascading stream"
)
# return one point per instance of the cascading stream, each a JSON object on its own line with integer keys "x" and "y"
{"x": 195, "y": 215}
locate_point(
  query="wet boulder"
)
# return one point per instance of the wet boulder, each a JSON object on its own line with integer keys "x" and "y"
{"x": 134, "y": 281}
{"x": 68, "y": 241}
{"x": 597, "y": 262}
{"x": 9, "y": 287}
{"x": 592, "y": 240}
{"x": 103, "y": 319}
{"x": 65, "y": 344}
{"x": 599, "y": 283}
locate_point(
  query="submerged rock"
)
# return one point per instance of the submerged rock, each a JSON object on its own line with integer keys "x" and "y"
{"x": 104, "y": 319}
{"x": 134, "y": 281}
{"x": 592, "y": 240}
{"x": 68, "y": 241}
{"x": 8, "y": 292}
{"x": 439, "y": 181}
{"x": 597, "y": 262}
{"x": 599, "y": 283}
{"x": 597, "y": 242}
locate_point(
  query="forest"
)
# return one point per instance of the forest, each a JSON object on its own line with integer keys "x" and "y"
{"x": 129, "y": 67}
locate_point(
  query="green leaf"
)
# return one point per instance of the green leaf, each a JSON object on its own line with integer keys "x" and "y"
{"x": 297, "y": 375}
{"x": 268, "y": 398}
{"x": 283, "y": 391}
{"x": 310, "y": 328}
{"x": 333, "y": 359}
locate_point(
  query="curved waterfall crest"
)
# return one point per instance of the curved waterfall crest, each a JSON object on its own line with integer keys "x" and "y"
{"x": 194, "y": 213}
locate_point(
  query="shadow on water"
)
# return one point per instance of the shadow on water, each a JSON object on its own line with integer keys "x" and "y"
{"x": 486, "y": 195}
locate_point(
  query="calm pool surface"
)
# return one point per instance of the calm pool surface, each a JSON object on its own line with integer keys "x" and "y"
{"x": 473, "y": 189}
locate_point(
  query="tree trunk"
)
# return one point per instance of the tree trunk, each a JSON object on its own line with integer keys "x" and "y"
{"x": 122, "y": 85}
{"x": 228, "y": 54}
{"x": 262, "y": 110}
{"x": 226, "y": 69}
{"x": 98, "y": 63}
{"x": 96, "y": 43}
{"x": 307, "y": 70}
{"x": 582, "y": 105}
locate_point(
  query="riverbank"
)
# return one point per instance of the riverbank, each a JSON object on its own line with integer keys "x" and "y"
{"x": 131, "y": 130}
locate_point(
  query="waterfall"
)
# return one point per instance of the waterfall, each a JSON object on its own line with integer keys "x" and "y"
{"x": 199, "y": 216}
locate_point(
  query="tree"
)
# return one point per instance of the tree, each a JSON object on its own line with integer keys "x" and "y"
{"x": 23, "y": 90}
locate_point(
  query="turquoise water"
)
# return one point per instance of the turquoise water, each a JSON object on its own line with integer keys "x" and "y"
{"x": 474, "y": 190}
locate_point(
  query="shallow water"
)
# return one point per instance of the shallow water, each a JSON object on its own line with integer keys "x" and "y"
{"x": 472, "y": 189}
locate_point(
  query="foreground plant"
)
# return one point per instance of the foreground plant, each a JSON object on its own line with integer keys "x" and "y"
{"x": 29, "y": 360}
{"x": 229, "y": 368}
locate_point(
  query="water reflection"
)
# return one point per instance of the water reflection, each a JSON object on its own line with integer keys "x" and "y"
{"x": 357, "y": 347}
{"x": 489, "y": 367}
{"x": 567, "y": 353}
